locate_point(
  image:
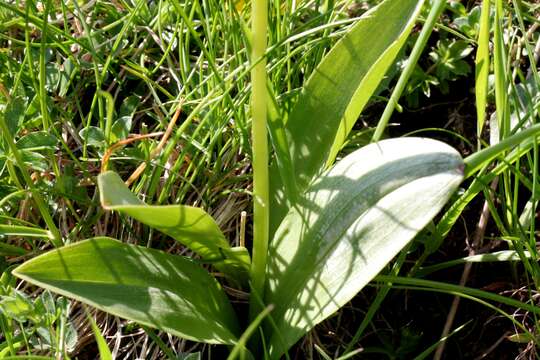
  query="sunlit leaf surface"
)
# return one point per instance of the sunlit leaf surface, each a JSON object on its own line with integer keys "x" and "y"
{"x": 168, "y": 292}
{"x": 191, "y": 226}
{"x": 349, "y": 224}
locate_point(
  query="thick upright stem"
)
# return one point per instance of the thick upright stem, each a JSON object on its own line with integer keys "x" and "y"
{"x": 260, "y": 151}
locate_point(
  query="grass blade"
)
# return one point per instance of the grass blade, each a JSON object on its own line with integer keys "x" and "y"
{"x": 482, "y": 62}
{"x": 436, "y": 10}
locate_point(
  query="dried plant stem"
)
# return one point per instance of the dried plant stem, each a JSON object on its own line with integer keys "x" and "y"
{"x": 119, "y": 144}
{"x": 165, "y": 136}
{"x": 477, "y": 241}
{"x": 158, "y": 148}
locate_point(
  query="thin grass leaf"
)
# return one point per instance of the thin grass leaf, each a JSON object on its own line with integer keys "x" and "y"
{"x": 426, "y": 353}
{"x": 239, "y": 350}
{"x": 19, "y": 230}
{"x": 104, "y": 351}
{"x": 504, "y": 255}
{"x": 421, "y": 284}
{"x": 501, "y": 84}
{"x": 482, "y": 158}
{"x": 435, "y": 12}
{"x": 482, "y": 62}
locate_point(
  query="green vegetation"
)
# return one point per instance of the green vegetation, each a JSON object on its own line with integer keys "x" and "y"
{"x": 137, "y": 135}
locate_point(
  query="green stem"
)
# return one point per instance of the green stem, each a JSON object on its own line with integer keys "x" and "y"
{"x": 43, "y": 69}
{"x": 56, "y": 238}
{"x": 110, "y": 110}
{"x": 419, "y": 46}
{"x": 260, "y": 152}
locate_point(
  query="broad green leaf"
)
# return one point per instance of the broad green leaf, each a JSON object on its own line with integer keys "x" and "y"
{"x": 349, "y": 224}
{"x": 39, "y": 140}
{"x": 191, "y": 226}
{"x": 34, "y": 160}
{"x": 93, "y": 136}
{"x": 122, "y": 126}
{"x": 18, "y": 306}
{"x": 52, "y": 77}
{"x": 168, "y": 292}
{"x": 338, "y": 90}
{"x": 14, "y": 114}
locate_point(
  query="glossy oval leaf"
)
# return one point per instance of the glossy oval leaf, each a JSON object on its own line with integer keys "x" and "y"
{"x": 336, "y": 93}
{"x": 191, "y": 226}
{"x": 153, "y": 288}
{"x": 349, "y": 224}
